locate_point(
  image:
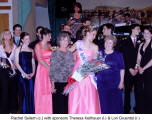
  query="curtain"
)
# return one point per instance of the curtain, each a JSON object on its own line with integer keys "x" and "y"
{"x": 24, "y": 10}
{"x": 55, "y": 23}
{"x": 52, "y": 18}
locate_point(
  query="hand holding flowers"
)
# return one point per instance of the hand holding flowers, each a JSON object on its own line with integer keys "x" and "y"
{"x": 86, "y": 69}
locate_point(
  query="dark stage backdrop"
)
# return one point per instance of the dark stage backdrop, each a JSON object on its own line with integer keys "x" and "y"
{"x": 59, "y": 11}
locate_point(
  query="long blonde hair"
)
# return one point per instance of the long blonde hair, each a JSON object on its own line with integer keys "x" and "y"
{"x": 2, "y": 40}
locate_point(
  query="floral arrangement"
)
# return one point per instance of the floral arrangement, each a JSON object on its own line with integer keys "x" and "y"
{"x": 4, "y": 65}
{"x": 53, "y": 48}
{"x": 89, "y": 67}
{"x": 92, "y": 66}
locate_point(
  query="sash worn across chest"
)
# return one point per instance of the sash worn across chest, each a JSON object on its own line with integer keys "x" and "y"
{"x": 77, "y": 76}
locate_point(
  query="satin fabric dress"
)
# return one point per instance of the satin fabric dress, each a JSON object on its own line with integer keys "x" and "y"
{"x": 83, "y": 98}
{"x": 26, "y": 87}
{"x": 42, "y": 90}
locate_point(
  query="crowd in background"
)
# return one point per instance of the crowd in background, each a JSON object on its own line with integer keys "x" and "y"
{"x": 33, "y": 75}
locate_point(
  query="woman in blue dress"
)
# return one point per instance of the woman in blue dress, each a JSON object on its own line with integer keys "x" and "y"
{"x": 110, "y": 82}
{"x": 24, "y": 61}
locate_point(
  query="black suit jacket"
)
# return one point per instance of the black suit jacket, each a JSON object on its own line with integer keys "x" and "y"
{"x": 100, "y": 43}
{"x": 32, "y": 44}
{"x": 130, "y": 53}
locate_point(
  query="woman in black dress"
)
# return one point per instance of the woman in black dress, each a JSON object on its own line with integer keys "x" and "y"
{"x": 8, "y": 79}
{"x": 144, "y": 63}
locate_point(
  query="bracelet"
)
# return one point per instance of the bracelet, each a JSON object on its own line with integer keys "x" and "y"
{"x": 136, "y": 66}
{"x": 23, "y": 75}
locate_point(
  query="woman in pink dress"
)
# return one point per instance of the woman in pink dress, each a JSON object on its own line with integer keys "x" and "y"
{"x": 43, "y": 90}
{"x": 83, "y": 98}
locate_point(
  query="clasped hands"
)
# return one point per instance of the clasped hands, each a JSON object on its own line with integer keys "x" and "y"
{"x": 29, "y": 76}
{"x": 139, "y": 69}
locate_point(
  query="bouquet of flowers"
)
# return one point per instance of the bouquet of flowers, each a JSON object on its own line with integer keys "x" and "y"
{"x": 5, "y": 63}
{"x": 53, "y": 48}
{"x": 88, "y": 68}
{"x": 92, "y": 66}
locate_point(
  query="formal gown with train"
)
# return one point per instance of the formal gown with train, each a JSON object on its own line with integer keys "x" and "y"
{"x": 42, "y": 90}
{"x": 83, "y": 98}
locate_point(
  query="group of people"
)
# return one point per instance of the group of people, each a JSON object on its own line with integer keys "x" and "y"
{"x": 137, "y": 55}
{"x": 35, "y": 74}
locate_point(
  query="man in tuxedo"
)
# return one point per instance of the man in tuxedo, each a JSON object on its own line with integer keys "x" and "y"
{"x": 130, "y": 49}
{"x": 38, "y": 37}
{"x": 106, "y": 30}
{"x": 17, "y": 30}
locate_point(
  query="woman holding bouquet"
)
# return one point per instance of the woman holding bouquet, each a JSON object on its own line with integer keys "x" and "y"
{"x": 8, "y": 81}
{"x": 83, "y": 98}
{"x": 110, "y": 82}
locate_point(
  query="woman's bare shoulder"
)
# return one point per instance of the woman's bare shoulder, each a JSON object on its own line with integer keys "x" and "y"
{"x": 94, "y": 46}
